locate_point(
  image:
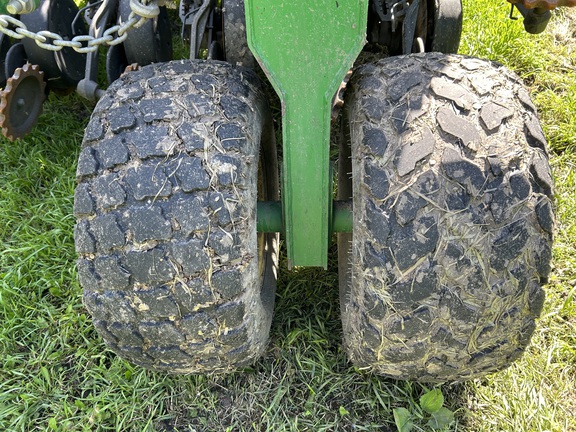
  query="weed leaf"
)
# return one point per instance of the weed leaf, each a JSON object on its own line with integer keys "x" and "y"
{"x": 432, "y": 401}
{"x": 441, "y": 418}
{"x": 52, "y": 424}
{"x": 402, "y": 418}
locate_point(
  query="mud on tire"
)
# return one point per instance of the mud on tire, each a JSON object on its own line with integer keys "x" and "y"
{"x": 174, "y": 274}
{"x": 453, "y": 218}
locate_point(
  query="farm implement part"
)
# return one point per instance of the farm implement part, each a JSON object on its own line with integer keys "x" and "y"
{"x": 21, "y": 101}
{"x": 442, "y": 210}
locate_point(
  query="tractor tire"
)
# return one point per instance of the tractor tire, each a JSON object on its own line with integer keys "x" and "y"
{"x": 172, "y": 164}
{"x": 426, "y": 26}
{"x": 236, "y": 48}
{"x": 453, "y": 219}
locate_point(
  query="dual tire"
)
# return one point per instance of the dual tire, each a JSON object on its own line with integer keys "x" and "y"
{"x": 174, "y": 274}
{"x": 441, "y": 278}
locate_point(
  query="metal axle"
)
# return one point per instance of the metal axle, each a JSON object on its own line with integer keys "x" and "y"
{"x": 270, "y": 217}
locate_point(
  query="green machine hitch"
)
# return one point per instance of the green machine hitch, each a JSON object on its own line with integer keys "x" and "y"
{"x": 306, "y": 48}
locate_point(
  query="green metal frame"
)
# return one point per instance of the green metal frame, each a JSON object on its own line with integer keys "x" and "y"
{"x": 306, "y": 47}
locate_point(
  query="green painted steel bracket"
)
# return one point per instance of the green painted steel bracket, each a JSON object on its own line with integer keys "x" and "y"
{"x": 305, "y": 48}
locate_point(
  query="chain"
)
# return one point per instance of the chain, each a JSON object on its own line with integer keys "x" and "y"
{"x": 142, "y": 11}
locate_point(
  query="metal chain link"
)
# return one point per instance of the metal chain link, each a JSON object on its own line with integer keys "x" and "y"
{"x": 142, "y": 11}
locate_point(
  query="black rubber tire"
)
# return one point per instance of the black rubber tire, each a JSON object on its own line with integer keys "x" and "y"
{"x": 445, "y": 29}
{"x": 438, "y": 24}
{"x": 453, "y": 218}
{"x": 236, "y": 50}
{"x": 174, "y": 273}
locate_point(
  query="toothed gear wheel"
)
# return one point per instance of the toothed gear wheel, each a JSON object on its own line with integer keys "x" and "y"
{"x": 132, "y": 68}
{"x": 21, "y": 101}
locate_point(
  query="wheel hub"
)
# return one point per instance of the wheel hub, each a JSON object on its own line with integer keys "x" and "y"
{"x": 21, "y": 101}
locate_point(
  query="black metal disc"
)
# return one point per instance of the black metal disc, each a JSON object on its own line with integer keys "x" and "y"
{"x": 4, "y": 47}
{"x": 15, "y": 58}
{"x": 151, "y": 43}
{"x": 64, "y": 68}
{"x": 21, "y": 101}
{"x": 116, "y": 62}
{"x": 26, "y": 105}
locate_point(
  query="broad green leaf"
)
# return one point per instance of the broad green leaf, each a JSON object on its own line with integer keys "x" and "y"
{"x": 55, "y": 291}
{"x": 441, "y": 418}
{"x": 402, "y": 418}
{"x": 343, "y": 411}
{"x": 52, "y": 423}
{"x": 432, "y": 401}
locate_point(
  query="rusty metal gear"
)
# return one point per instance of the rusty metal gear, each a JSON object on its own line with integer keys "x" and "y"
{"x": 21, "y": 101}
{"x": 131, "y": 68}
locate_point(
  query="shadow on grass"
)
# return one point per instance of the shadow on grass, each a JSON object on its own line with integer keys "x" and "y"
{"x": 304, "y": 381}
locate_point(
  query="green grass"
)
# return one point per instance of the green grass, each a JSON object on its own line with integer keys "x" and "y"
{"x": 55, "y": 373}
{"x": 538, "y": 393}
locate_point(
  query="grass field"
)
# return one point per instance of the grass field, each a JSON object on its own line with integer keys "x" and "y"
{"x": 56, "y": 374}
